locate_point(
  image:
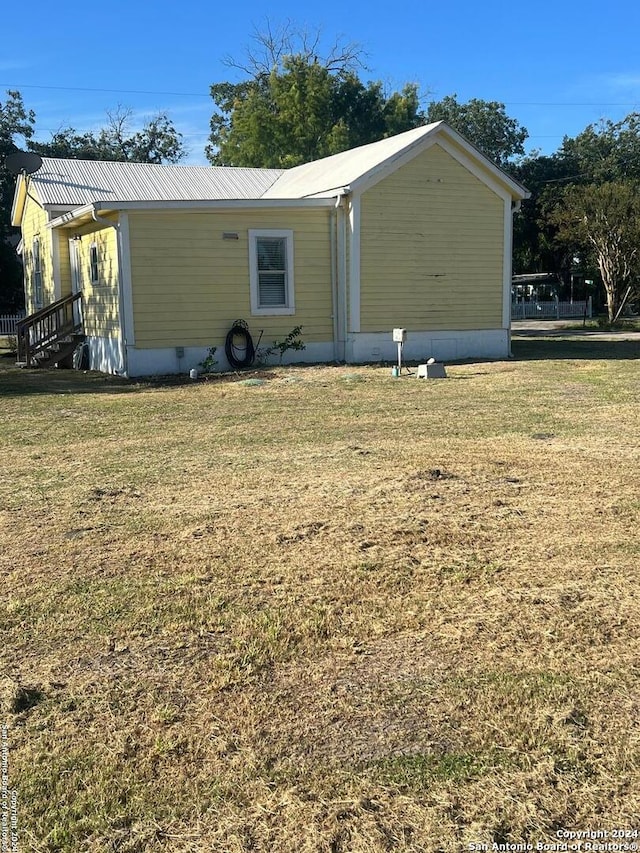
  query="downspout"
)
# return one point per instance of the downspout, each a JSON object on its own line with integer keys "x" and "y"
{"x": 341, "y": 236}
{"x": 334, "y": 276}
{"x": 100, "y": 220}
{"x": 515, "y": 208}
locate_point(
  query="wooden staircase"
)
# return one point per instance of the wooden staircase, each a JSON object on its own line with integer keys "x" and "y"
{"x": 49, "y": 337}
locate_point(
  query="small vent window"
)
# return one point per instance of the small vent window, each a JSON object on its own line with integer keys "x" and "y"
{"x": 38, "y": 296}
{"x": 94, "y": 270}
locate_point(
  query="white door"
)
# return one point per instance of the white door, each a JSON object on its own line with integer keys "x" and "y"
{"x": 76, "y": 279}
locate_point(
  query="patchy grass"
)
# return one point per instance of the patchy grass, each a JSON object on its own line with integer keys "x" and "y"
{"x": 330, "y": 611}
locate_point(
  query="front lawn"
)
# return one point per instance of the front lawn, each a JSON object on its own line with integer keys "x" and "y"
{"x": 326, "y": 610}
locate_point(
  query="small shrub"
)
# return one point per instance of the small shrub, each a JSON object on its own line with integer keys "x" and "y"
{"x": 11, "y": 343}
{"x": 291, "y": 342}
{"x": 209, "y": 362}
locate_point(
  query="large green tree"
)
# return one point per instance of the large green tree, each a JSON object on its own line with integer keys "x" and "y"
{"x": 302, "y": 112}
{"x": 604, "y": 220}
{"x": 485, "y": 124}
{"x": 296, "y": 105}
{"x": 589, "y": 180}
{"x": 16, "y": 127}
{"x": 604, "y": 152}
{"x": 536, "y": 247}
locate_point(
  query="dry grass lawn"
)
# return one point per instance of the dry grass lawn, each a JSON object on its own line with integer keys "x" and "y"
{"x": 334, "y": 611}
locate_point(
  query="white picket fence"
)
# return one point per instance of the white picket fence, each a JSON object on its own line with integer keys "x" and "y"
{"x": 8, "y": 323}
{"x": 552, "y": 309}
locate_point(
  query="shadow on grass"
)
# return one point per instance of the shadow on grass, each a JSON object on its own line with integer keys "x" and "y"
{"x": 539, "y": 348}
{"x": 20, "y": 382}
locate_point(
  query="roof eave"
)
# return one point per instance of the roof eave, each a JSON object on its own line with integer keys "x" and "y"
{"x": 518, "y": 190}
{"x": 441, "y": 128}
{"x": 77, "y": 216}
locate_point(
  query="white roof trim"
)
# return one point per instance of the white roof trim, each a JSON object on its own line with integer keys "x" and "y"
{"x": 441, "y": 134}
{"x": 518, "y": 189}
{"x": 194, "y": 206}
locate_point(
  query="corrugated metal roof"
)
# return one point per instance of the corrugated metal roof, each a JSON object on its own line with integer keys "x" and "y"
{"x": 327, "y": 176}
{"x": 74, "y": 183}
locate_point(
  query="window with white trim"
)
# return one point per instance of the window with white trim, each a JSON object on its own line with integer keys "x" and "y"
{"x": 94, "y": 270}
{"x": 271, "y": 271}
{"x": 38, "y": 296}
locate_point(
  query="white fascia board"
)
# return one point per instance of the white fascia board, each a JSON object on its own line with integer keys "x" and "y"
{"x": 518, "y": 191}
{"x": 472, "y": 165}
{"x": 191, "y": 206}
{"x": 72, "y": 216}
{"x": 387, "y": 167}
{"x": 470, "y": 157}
{"x": 216, "y": 204}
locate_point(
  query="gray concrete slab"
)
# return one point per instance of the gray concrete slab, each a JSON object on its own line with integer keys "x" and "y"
{"x": 567, "y": 329}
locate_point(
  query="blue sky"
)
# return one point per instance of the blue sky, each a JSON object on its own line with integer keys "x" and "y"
{"x": 557, "y": 66}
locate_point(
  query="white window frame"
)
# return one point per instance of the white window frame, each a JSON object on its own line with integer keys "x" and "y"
{"x": 94, "y": 268}
{"x": 38, "y": 291}
{"x": 254, "y": 278}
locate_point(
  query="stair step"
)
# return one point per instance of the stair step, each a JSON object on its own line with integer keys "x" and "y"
{"x": 63, "y": 353}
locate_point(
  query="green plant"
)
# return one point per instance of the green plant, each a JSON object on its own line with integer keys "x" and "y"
{"x": 12, "y": 343}
{"x": 291, "y": 342}
{"x": 209, "y": 362}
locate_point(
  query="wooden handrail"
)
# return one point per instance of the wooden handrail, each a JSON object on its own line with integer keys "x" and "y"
{"x": 46, "y": 326}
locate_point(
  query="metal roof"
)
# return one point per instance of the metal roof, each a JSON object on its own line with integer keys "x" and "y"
{"x": 329, "y": 175}
{"x": 74, "y": 183}
{"x": 356, "y": 167}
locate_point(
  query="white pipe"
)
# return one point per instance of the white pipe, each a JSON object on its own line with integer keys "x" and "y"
{"x": 341, "y": 229}
{"x": 334, "y": 293}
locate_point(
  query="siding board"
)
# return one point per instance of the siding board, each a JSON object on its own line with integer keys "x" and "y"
{"x": 190, "y": 284}
{"x": 34, "y": 222}
{"x": 432, "y": 249}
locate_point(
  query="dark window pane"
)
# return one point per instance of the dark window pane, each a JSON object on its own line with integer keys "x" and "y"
{"x": 272, "y": 253}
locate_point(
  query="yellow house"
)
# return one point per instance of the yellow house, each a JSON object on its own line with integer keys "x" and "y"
{"x": 153, "y": 264}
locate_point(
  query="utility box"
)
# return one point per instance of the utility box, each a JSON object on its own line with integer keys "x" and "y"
{"x": 399, "y": 336}
{"x": 435, "y": 370}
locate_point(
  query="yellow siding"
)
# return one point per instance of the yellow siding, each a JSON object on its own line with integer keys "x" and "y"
{"x": 63, "y": 253}
{"x": 100, "y": 306}
{"x": 34, "y": 222}
{"x": 432, "y": 249}
{"x": 189, "y": 284}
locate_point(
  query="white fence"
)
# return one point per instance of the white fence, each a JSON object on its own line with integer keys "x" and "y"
{"x": 552, "y": 309}
{"x": 8, "y": 323}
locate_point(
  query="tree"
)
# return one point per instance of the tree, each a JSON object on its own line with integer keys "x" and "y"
{"x": 603, "y": 152}
{"x": 536, "y": 247}
{"x": 16, "y": 125}
{"x": 608, "y": 152}
{"x": 604, "y": 219}
{"x": 157, "y": 142}
{"x": 297, "y": 106}
{"x": 485, "y": 124}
